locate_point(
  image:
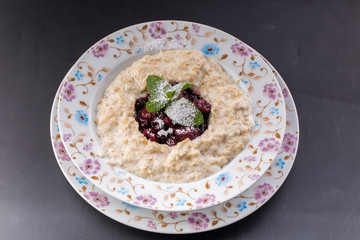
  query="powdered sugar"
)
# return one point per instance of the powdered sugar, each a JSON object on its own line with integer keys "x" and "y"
{"x": 184, "y": 113}
{"x": 165, "y": 43}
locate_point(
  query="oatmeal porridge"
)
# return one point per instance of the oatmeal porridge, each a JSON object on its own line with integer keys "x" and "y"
{"x": 227, "y": 130}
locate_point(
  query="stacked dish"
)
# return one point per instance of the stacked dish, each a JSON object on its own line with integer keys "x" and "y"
{"x": 241, "y": 186}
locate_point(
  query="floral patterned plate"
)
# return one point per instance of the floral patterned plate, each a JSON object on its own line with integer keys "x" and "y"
{"x": 188, "y": 221}
{"x": 93, "y": 72}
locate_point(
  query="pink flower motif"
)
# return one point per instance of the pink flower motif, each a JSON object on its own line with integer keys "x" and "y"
{"x": 198, "y": 221}
{"x": 98, "y": 199}
{"x": 61, "y": 152}
{"x": 147, "y": 200}
{"x": 151, "y": 225}
{"x": 157, "y": 30}
{"x": 285, "y": 92}
{"x": 269, "y": 145}
{"x": 250, "y": 158}
{"x": 240, "y": 49}
{"x": 205, "y": 200}
{"x": 68, "y": 92}
{"x": 90, "y": 166}
{"x": 177, "y": 37}
{"x": 289, "y": 143}
{"x": 262, "y": 192}
{"x": 254, "y": 177}
{"x": 196, "y": 28}
{"x": 66, "y": 136}
{"x": 173, "y": 215}
{"x": 271, "y": 91}
{"x": 87, "y": 147}
{"x": 100, "y": 49}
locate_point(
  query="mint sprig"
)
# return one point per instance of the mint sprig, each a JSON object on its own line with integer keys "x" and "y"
{"x": 163, "y": 95}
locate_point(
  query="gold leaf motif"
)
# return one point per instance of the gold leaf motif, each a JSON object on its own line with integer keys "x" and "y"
{"x": 90, "y": 74}
{"x": 193, "y": 41}
{"x": 68, "y": 125}
{"x": 277, "y": 103}
{"x": 92, "y": 154}
{"x": 224, "y": 210}
{"x": 189, "y": 204}
{"x": 71, "y": 79}
{"x": 111, "y": 40}
{"x": 144, "y": 27}
{"x": 251, "y": 74}
{"x": 161, "y": 217}
{"x": 137, "y": 218}
{"x": 72, "y": 145}
{"x": 135, "y": 39}
{"x": 223, "y": 56}
{"x": 119, "y": 210}
{"x": 288, "y": 123}
{"x": 254, "y": 152}
{"x": 83, "y": 104}
{"x": 91, "y": 68}
{"x": 66, "y": 110}
{"x": 207, "y": 185}
{"x": 105, "y": 69}
{"x": 79, "y": 140}
{"x": 228, "y": 204}
{"x": 127, "y": 212}
{"x": 207, "y": 34}
{"x": 266, "y": 119}
{"x": 216, "y": 40}
{"x": 172, "y": 195}
{"x": 213, "y": 212}
{"x": 215, "y": 222}
{"x": 164, "y": 225}
{"x": 267, "y": 132}
{"x": 252, "y": 58}
{"x": 166, "y": 197}
{"x": 112, "y": 179}
{"x": 223, "y": 40}
{"x": 287, "y": 157}
{"x": 131, "y": 43}
{"x": 183, "y": 214}
{"x": 128, "y": 196}
{"x": 257, "y": 77}
{"x": 252, "y": 204}
{"x": 83, "y": 188}
{"x": 95, "y": 177}
{"x": 268, "y": 174}
{"x": 277, "y": 135}
{"x": 82, "y": 134}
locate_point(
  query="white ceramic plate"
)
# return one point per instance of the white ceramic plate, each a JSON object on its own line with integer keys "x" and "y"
{"x": 92, "y": 73}
{"x": 193, "y": 221}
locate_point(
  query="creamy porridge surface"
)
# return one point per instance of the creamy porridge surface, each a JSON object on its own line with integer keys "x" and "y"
{"x": 229, "y": 129}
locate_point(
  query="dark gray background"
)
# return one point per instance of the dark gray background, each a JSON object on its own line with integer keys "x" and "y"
{"x": 314, "y": 45}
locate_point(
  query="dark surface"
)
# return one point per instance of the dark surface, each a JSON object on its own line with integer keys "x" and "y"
{"x": 314, "y": 45}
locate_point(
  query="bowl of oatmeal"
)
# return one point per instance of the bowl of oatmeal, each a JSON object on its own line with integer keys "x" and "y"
{"x": 206, "y": 134}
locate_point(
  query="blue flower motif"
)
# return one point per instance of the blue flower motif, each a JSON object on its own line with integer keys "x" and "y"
{"x": 123, "y": 190}
{"x": 180, "y": 202}
{"x": 274, "y": 110}
{"x": 100, "y": 77}
{"x": 57, "y": 125}
{"x": 82, "y": 180}
{"x": 169, "y": 187}
{"x": 244, "y": 81}
{"x": 129, "y": 206}
{"x": 81, "y": 117}
{"x": 280, "y": 163}
{"x": 222, "y": 179}
{"x": 121, "y": 172}
{"x": 120, "y": 40}
{"x": 78, "y": 75}
{"x": 256, "y": 124}
{"x": 242, "y": 206}
{"x": 254, "y": 65}
{"x": 139, "y": 50}
{"x": 210, "y": 49}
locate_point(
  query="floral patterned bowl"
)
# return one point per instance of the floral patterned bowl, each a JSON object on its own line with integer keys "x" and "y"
{"x": 92, "y": 73}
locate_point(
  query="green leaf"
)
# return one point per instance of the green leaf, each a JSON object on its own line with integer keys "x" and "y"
{"x": 174, "y": 92}
{"x": 185, "y": 113}
{"x": 155, "y": 105}
{"x": 157, "y": 86}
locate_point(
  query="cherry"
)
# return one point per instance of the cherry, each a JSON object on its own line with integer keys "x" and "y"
{"x": 171, "y": 141}
{"x": 149, "y": 134}
{"x": 187, "y": 132}
{"x": 140, "y": 104}
{"x": 203, "y": 105}
{"x": 145, "y": 115}
{"x": 157, "y": 124}
{"x": 168, "y": 122}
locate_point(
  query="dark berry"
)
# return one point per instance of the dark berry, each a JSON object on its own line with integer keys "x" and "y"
{"x": 157, "y": 124}
{"x": 143, "y": 124}
{"x": 203, "y": 105}
{"x": 168, "y": 122}
{"x": 174, "y": 83}
{"x": 140, "y": 104}
{"x": 149, "y": 134}
{"x": 187, "y": 132}
{"x": 145, "y": 115}
{"x": 147, "y": 97}
{"x": 203, "y": 127}
{"x": 171, "y": 141}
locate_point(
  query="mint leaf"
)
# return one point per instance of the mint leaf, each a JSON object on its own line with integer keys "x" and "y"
{"x": 185, "y": 113}
{"x": 157, "y": 88}
{"x": 174, "y": 92}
